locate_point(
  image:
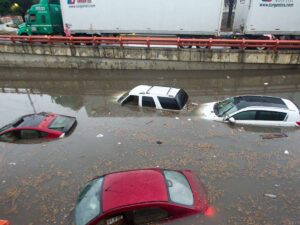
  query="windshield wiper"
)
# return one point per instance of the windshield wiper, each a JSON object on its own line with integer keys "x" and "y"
{"x": 226, "y": 111}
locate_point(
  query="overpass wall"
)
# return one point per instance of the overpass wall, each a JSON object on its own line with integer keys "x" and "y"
{"x": 138, "y": 58}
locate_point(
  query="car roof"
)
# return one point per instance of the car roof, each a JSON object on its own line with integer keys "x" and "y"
{"x": 260, "y": 101}
{"x": 133, "y": 187}
{"x": 154, "y": 90}
{"x": 41, "y": 120}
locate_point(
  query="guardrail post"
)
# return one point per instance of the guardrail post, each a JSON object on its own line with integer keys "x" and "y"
{"x": 94, "y": 40}
{"x": 120, "y": 40}
{"x": 209, "y": 43}
{"x": 148, "y": 42}
{"x": 178, "y": 42}
{"x": 242, "y": 45}
{"x": 49, "y": 39}
{"x": 12, "y": 39}
{"x": 276, "y": 45}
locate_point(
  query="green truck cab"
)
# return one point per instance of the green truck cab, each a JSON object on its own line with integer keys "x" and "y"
{"x": 43, "y": 19}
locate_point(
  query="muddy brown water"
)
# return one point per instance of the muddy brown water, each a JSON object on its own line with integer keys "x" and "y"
{"x": 39, "y": 182}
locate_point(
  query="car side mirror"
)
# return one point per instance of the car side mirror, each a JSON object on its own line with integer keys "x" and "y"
{"x": 231, "y": 120}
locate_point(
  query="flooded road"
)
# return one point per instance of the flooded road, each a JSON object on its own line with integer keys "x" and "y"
{"x": 39, "y": 183}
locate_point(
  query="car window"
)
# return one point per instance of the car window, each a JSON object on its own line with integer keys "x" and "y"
{"x": 60, "y": 122}
{"x": 131, "y": 100}
{"x": 168, "y": 103}
{"x": 271, "y": 116}
{"x": 9, "y": 136}
{"x": 148, "y": 215}
{"x": 29, "y": 134}
{"x": 246, "y": 115}
{"x": 43, "y": 18}
{"x": 179, "y": 188}
{"x": 148, "y": 101}
{"x": 88, "y": 204}
{"x": 32, "y": 17}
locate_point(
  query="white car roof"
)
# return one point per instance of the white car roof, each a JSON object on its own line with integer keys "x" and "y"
{"x": 154, "y": 91}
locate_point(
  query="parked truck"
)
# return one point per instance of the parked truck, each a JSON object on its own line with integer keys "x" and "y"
{"x": 44, "y": 18}
{"x": 280, "y": 18}
{"x": 106, "y": 17}
{"x": 191, "y": 18}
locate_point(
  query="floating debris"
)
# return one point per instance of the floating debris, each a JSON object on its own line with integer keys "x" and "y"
{"x": 119, "y": 143}
{"x": 189, "y": 119}
{"x": 277, "y": 185}
{"x": 286, "y": 152}
{"x": 228, "y": 77}
{"x": 12, "y": 164}
{"x": 194, "y": 103}
{"x": 100, "y": 136}
{"x": 273, "y": 135}
{"x": 271, "y": 195}
{"x": 176, "y": 118}
{"x": 266, "y": 83}
{"x": 149, "y": 122}
{"x": 159, "y": 142}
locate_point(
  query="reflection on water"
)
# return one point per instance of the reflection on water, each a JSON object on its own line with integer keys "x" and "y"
{"x": 97, "y": 91}
{"x": 39, "y": 183}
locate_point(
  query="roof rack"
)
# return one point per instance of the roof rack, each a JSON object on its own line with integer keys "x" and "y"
{"x": 169, "y": 91}
{"x": 147, "y": 92}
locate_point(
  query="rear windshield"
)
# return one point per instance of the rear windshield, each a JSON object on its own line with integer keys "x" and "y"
{"x": 176, "y": 103}
{"x": 60, "y": 122}
{"x": 181, "y": 98}
{"x": 29, "y": 121}
{"x": 179, "y": 189}
{"x": 88, "y": 204}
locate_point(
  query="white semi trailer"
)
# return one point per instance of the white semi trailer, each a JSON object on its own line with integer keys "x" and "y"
{"x": 277, "y": 17}
{"x": 149, "y": 17}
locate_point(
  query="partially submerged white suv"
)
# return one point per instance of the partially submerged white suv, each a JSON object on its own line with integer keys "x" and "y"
{"x": 253, "y": 110}
{"x": 168, "y": 98}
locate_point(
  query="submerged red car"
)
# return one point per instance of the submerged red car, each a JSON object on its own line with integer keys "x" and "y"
{"x": 140, "y": 197}
{"x": 38, "y": 126}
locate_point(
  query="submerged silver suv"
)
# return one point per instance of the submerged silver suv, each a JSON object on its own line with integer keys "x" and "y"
{"x": 253, "y": 110}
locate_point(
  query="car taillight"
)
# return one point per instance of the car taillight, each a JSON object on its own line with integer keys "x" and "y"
{"x": 210, "y": 211}
{"x": 298, "y": 123}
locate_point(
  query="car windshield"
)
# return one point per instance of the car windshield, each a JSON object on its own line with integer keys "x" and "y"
{"x": 88, "y": 204}
{"x": 123, "y": 97}
{"x": 225, "y": 107}
{"x": 60, "y": 122}
{"x": 179, "y": 189}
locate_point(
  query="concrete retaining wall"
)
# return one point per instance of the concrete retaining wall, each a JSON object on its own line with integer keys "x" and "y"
{"x": 109, "y": 57}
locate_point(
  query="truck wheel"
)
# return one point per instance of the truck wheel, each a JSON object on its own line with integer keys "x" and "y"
{"x": 23, "y": 35}
{"x": 186, "y": 46}
{"x": 261, "y": 48}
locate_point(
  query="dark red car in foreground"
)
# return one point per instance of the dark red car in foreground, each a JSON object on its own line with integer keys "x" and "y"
{"x": 38, "y": 126}
{"x": 140, "y": 197}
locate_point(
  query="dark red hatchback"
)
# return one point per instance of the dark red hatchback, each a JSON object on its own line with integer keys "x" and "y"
{"x": 140, "y": 197}
{"x": 38, "y": 126}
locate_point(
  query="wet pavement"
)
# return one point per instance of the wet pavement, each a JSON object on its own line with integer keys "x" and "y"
{"x": 250, "y": 180}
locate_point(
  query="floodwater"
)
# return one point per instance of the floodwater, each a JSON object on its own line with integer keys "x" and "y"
{"x": 39, "y": 182}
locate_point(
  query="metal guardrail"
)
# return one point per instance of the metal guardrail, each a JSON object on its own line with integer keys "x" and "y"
{"x": 155, "y": 41}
